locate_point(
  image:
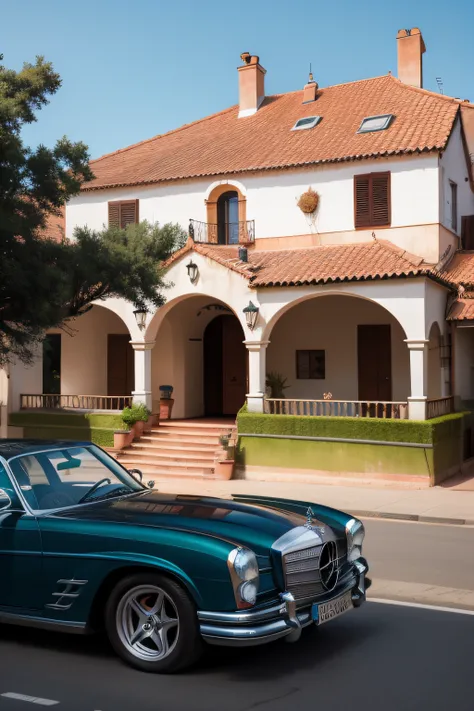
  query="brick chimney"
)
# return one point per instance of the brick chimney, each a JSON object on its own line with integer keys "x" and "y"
{"x": 310, "y": 89}
{"x": 410, "y": 47}
{"x": 251, "y": 85}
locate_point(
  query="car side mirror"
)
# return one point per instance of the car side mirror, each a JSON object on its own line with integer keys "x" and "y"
{"x": 150, "y": 484}
{"x": 136, "y": 473}
{"x": 5, "y": 501}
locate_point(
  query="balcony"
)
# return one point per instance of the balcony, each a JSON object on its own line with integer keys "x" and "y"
{"x": 222, "y": 232}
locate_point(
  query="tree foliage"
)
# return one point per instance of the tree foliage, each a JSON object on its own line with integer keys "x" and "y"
{"x": 45, "y": 282}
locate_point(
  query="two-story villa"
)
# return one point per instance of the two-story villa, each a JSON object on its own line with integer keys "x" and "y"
{"x": 352, "y": 302}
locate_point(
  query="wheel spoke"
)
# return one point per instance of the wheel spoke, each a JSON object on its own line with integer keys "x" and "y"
{"x": 136, "y": 607}
{"x": 139, "y": 635}
{"x": 161, "y": 642}
{"x": 156, "y": 609}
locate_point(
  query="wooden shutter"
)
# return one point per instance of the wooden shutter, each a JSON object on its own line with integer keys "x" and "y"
{"x": 128, "y": 213}
{"x": 123, "y": 213}
{"x": 372, "y": 200}
{"x": 380, "y": 199}
{"x": 362, "y": 200}
{"x": 114, "y": 214}
{"x": 467, "y": 232}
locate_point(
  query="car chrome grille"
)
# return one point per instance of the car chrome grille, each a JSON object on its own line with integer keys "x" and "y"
{"x": 302, "y": 570}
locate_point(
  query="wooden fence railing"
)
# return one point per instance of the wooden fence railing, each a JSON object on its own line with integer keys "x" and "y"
{"x": 337, "y": 408}
{"x": 75, "y": 402}
{"x": 440, "y": 406}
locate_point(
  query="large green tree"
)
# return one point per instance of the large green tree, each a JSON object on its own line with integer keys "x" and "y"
{"x": 45, "y": 282}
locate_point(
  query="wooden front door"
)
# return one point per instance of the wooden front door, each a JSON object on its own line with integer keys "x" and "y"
{"x": 225, "y": 367}
{"x": 234, "y": 383}
{"x": 120, "y": 364}
{"x": 374, "y": 354}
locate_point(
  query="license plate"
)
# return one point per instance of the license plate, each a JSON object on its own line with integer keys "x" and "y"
{"x": 329, "y": 610}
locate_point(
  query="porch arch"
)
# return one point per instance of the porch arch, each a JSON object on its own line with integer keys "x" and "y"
{"x": 338, "y": 346}
{"x": 181, "y": 356}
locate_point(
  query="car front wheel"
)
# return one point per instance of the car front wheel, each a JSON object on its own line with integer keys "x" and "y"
{"x": 152, "y": 624}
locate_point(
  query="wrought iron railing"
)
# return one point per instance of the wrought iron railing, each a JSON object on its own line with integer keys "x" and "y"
{"x": 439, "y": 407}
{"x": 337, "y": 408}
{"x": 75, "y": 402}
{"x": 225, "y": 233}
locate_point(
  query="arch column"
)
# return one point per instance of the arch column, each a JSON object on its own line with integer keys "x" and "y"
{"x": 257, "y": 351}
{"x": 418, "y": 378}
{"x": 142, "y": 391}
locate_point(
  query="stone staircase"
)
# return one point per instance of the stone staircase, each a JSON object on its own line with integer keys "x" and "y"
{"x": 184, "y": 448}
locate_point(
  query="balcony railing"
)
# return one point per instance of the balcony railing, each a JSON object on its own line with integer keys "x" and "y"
{"x": 75, "y": 402}
{"x": 226, "y": 233}
{"x": 337, "y": 408}
{"x": 439, "y": 407}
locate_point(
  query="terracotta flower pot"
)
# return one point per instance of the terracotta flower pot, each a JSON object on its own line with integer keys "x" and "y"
{"x": 122, "y": 439}
{"x": 138, "y": 427}
{"x": 147, "y": 426}
{"x": 224, "y": 469}
{"x": 166, "y": 408}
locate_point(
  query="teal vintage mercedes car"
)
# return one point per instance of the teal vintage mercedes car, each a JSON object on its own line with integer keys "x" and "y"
{"x": 84, "y": 545}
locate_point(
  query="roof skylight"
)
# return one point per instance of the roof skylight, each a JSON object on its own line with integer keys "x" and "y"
{"x": 308, "y": 122}
{"x": 375, "y": 123}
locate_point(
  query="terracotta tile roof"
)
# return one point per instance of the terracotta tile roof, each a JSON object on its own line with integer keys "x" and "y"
{"x": 55, "y": 227}
{"x": 223, "y": 144}
{"x": 460, "y": 270}
{"x": 315, "y": 265}
{"x": 461, "y": 310}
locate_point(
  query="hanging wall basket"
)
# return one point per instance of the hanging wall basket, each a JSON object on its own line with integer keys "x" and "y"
{"x": 308, "y": 202}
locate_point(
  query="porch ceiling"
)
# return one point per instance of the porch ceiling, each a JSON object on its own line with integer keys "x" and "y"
{"x": 364, "y": 261}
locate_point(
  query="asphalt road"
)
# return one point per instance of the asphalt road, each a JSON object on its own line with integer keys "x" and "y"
{"x": 381, "y": 656}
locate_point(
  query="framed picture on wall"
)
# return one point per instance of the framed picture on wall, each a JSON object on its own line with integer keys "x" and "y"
{"x": 310, "y": 365}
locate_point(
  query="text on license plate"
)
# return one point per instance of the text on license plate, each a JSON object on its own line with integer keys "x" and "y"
{"x": 328, "y": 610}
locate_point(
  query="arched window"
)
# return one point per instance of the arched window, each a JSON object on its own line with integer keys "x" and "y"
{"x": 228, "y": 218}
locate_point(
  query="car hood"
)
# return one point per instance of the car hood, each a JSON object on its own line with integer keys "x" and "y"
{"x": 253, "y": 521}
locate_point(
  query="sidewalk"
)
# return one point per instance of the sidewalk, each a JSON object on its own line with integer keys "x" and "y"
{"x": 435, "y": 505}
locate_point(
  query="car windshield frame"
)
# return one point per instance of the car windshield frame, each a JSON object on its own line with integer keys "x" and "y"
{"x": 114, "y": 467}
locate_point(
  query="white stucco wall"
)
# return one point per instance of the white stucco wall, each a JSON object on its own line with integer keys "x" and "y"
{"x": 272, "y": 196}
{"x": 453, "y": 167}
{"x": 84, "y": 355}
{"x": 330, "y": 324}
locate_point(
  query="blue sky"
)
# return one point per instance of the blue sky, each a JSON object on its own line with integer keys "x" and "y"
{"x": 132, "y": 69}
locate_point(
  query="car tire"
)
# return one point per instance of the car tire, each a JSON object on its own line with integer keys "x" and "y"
{"x": 152, "y": 624}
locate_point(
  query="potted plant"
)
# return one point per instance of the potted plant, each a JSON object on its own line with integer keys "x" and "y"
{"x": 166, "y": 401}
{"x": 122, "y": 438}
{"x": 225, "y": 459}
{"x": 277, "y": 385}
{"x": 141, "y": 414}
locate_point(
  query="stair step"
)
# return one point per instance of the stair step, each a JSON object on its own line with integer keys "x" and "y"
{"x": 180, "y": 437}
{"x": 198, "y": 425}
{"x": 171, "y": 457}
{"x": 201, "y": 431}
{"x": 173, "y": 447}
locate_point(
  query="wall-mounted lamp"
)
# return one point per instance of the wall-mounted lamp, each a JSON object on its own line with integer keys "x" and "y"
{"x": 193, "y": 271}
{"x": 251, "y": 315}
{"x": 140, "y": 316}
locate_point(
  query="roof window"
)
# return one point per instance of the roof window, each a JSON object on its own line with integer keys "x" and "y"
{"x": 308, "y": 122}
{"x": 375, "y": 123}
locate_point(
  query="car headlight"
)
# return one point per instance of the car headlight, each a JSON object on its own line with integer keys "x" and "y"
{"x": 243, "y": 568}
{"x": 355, "y": 534}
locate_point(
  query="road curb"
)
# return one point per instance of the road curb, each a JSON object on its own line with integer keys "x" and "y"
{"x": 414, "y": 517}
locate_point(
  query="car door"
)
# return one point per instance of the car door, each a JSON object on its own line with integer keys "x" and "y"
{"x": 20, "y": 552}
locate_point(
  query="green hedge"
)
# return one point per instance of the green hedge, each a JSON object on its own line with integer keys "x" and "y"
{"x": 90, "y": 427}
{"x": 66, "y": 419}
{"x": 422, "y": 432}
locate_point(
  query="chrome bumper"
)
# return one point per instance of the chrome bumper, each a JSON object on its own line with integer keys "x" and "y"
{"x": 243, "y": 629}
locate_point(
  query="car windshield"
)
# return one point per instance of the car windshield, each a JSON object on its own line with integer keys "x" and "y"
{"x": 68, "y": 476}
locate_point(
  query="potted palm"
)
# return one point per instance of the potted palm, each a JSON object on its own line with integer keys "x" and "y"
{"x": 276, "y": 385}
